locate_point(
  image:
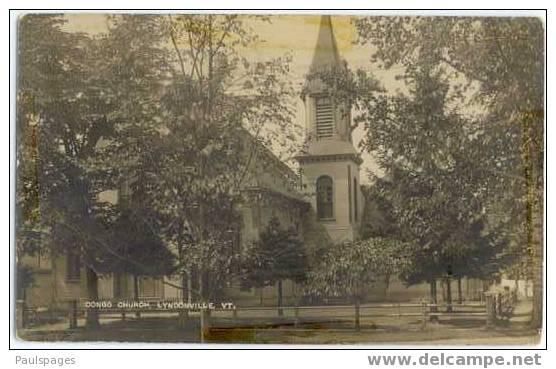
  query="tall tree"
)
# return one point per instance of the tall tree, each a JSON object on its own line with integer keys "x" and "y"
{"x": 135, "y": 68}
{"x": 192, "y": 126}
{"x": 432, "y": 187}
{"x": 216, "y": 97}
{"x": 61, "y": 119}
{"x": 499, "y": 64}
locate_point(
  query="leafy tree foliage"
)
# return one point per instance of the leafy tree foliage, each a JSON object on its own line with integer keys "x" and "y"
{"x": 165, "y": 103}
{"x": 349, "y": 268}
{"x": 278, "y": 255}
{"x": 433, "y": 185}
{"x": 61, "y": 119}
{"x": 214, "y": 98}
{"x": 135, "y": 68}
{"x": 496, "y": 69}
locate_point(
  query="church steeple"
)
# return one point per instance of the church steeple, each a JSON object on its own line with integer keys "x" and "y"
{"x": 329, "y": 162}
{"x": 328, "y": 119}
{"x": 326, "y": 50}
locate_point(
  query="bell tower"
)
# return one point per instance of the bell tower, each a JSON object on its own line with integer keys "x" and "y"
{"x": 329, "y": 162}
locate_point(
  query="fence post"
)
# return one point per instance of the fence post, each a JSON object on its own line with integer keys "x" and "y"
{"x": 20, "y": 316}
{"x": 490, "y": 304}
{"x": 73, "y": 314}
{"x": 205, "y": 324}
{"x": 296, "y": 313}
{"x": 357, "y": 315}
{"x": 234, "y": 316}
{"x": 424, "y": 312}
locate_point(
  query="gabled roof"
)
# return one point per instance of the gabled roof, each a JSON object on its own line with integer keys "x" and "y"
{"x": 266, "y": 172}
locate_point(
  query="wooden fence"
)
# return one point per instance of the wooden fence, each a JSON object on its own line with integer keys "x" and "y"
{"x": 497, "y": 306}
{"x": 297, "y": 316}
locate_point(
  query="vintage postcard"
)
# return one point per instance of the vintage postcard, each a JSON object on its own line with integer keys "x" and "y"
{"x": 279, "y": 178}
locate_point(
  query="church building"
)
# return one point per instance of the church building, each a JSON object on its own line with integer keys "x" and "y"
{"x": 323, "y": 201}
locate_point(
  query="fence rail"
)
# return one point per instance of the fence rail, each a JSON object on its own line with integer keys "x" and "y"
{"x": 496, "y": 307}
{"x": 298, "y": 315}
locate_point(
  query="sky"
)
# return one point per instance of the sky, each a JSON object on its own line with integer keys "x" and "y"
{"x": 296, "y": 35}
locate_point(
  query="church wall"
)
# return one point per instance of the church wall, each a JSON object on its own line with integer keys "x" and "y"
{"x": 170, "y": 292}
{"x": 163, "y": 291}
{"x": 310, "y": 117}
{"x": 40, "y": 293}
{"x": 105, "y": 287}
{"x": 340, "y": 228}
{"x": 256, "y": 216}
{"x": 51, "y": 288}
{"x": 68, "y": 290}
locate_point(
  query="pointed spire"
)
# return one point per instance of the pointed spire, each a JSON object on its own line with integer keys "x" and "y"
{"x": 326, "y": 51}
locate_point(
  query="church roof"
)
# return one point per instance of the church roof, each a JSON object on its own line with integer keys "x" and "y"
{"x": 266, "y": 172}
{"x": 326, "y": 50}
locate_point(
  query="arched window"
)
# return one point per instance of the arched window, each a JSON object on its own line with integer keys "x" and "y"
{"x": 325, "y": 198}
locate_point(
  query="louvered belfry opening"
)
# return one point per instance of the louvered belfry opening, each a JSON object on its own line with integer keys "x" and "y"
{"x": 325, "y": 117}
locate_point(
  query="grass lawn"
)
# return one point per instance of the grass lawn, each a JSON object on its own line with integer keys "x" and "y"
{"x": 314, "y": 327}
{"x": 166, "y": 329}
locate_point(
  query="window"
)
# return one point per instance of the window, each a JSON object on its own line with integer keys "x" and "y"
{"x": 73, "y": 266}
{"x": 120, "y": 285}
{"x": 325, "y": 196}
{"x": 324, "y": 117}
{"x": 149, "y": 287}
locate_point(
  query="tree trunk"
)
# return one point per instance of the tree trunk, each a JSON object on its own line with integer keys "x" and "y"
{"x": 531, "y": 153}
{"x": 185, "y": 288}
{"x": 460, "y": 293}
{"x": 183, "y": 315}
{"x": 189, "y": 289}
{"x": 449, "y": 308}
{"x": 357, "y": 313}
{"x": 92, "y": 321}
{"x": 280, "y": 311}
{"x": 538, "y": 272}
{"x": 468, "y": 293}
{"x": 204, "y": 316}
{"x": 536, "y": 244}
{"x": 434, "y": 299}
{"x": 136, "y": 293}
{"x": 387, "y": 287}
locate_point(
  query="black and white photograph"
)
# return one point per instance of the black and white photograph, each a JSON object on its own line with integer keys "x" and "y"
{"x": 279, "y": 178}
